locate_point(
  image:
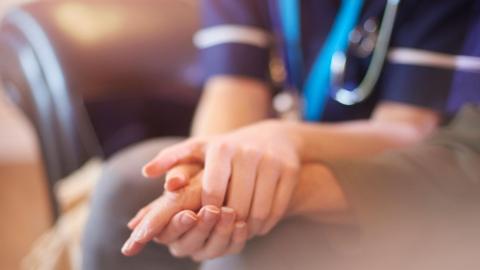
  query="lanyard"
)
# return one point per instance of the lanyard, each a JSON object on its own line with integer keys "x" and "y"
{"x": 316, "y": 85}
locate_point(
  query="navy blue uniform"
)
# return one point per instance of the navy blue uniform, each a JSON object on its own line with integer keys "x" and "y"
{"x": 237, "y": 38}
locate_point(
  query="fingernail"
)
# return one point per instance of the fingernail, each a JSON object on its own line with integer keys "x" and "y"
{"x": 140, "y": 234}
{"x": 133, "y": 221}
{"x": 264, "y": 231}
{"x": 130, "y": 224}
{"x": 228, "y": 210}
{"x": 188, "y": 219}
{"x": 211, "y": 213}
{"x": 145, "y": 171}
{"x": 240, "y": 225}
{"x": 228, "y": 215}
{"x": 212, "y": 209}
{"x": 127, "y": 246}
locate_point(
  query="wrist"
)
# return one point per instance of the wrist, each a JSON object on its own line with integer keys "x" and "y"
{"x": 292, "y": 132}
{"x": 318, "y": 195}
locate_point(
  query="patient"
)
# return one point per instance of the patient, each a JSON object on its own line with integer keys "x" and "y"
{"x": 376, "y": 186}
{"x": 416, "y": 207}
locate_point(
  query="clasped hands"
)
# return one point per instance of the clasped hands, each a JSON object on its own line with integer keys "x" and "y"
{"x": 219, "y": 192}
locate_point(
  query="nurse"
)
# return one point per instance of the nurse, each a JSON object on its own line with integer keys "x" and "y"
{"x": 236, "y": 42}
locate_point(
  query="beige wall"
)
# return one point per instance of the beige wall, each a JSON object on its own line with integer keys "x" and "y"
{"x": 24, "y": 213}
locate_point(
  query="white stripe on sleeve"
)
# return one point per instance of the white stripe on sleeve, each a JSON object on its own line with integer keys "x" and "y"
{"x": 222, "y": 34}
{"x": 408, "y": 56}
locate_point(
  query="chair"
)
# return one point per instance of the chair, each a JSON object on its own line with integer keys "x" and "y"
{"x": 96, "y": 76}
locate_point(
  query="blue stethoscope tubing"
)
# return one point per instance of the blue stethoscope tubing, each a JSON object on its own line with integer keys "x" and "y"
{"x": 328, "y": 69}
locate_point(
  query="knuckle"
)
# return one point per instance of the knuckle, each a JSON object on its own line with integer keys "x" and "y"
{"x": 275, "y": 163}
{"x": 176, "y": 230}
{"x": 204, "y": 229}
{"x": 172, "y": 198}
{"x": 271, "y": 160}
{"x": 291, "y": 167}
{"x": 222, "y": 147}
{"x": 175, "y": 170}
{"x": 251, "y": 152}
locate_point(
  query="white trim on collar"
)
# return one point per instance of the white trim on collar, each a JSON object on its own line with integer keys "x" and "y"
{"x": 408, "y": 56}
{"x": 222, "y": 34}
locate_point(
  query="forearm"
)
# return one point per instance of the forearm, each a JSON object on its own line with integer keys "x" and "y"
{"x": 230, "y": 102}
{"x": 355, "y": 139}
{"x": 437, "y": 174}
{"x": 387, "y": 129}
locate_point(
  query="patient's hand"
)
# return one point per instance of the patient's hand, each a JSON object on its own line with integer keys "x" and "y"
{"x": 154, "y": 218}
{"x": 170, "y": 220}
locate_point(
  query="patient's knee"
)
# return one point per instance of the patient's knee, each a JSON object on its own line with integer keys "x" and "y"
{"x": 119, "y": 194}
{"x": 122, "y": 190}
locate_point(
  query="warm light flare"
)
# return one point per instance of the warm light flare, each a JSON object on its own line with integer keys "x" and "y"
{"x": 88, "y": 23}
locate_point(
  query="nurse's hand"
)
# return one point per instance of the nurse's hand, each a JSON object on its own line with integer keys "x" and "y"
{"x": 253, "y": 170}
{"x": 215, "y": 234}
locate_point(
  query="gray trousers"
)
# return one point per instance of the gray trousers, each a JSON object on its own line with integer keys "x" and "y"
{"x": 122, "y": 191}
{"x": 419, "y": 208}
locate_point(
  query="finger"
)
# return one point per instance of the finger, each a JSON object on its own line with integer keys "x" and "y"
{"x": 151, "y": 225}
{"x": 180, "y": 175}
{"x": 242, "y": 183}
{"x": 188, "y": 151}
{"x": 193, "y": 200}
{"x": 264, "y": 193}
{"x": 138, "y": 217}
{"x": 220, "y": 238}
{"x": 239, "y": 238}
{"x": 282, "y": 199}
{"x": 216, "y": 174}
{"x": 194, "y": 239}
{"x": 180, "y": 223}
{"x": 131, "y": 248}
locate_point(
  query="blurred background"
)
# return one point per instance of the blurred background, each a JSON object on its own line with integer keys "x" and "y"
{"x": 24, "y": 207}
{"x": 81, "y": 80}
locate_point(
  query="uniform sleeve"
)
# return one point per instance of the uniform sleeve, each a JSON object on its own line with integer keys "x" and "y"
{"x": 235, "y": 38}
{"x": 466, "y": 83}
{"x": 430, "y": 190}
{"x": 427, "y": 41}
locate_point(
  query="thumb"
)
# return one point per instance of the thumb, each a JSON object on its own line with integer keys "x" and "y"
{"x": 180, "y": 175}
{"x": 188, "y": 151}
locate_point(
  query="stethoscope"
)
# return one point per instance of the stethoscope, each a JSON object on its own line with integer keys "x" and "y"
{"x": 327, "y": 75}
